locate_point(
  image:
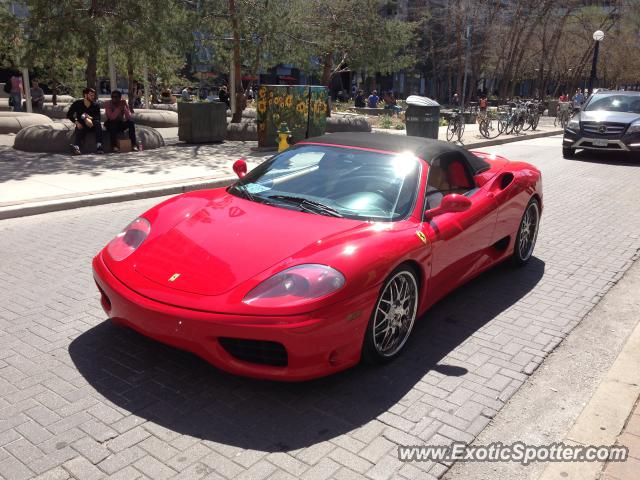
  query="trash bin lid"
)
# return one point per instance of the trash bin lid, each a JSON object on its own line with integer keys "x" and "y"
{"x": 421, "y": 101}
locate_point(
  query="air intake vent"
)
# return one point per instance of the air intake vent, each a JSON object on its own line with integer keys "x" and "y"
{"x": 255, "y": 351}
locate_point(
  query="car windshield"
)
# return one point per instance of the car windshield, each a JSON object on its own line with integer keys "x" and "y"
{"x": 614, "y": 103}
{"x": 336, "y": 181}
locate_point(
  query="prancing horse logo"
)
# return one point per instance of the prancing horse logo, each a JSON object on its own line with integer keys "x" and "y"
{"x": 602, "y": 129}
{"x": 174, "y": 277}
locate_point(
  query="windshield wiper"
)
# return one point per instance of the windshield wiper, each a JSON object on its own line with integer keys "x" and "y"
{"x": 241, "y": 187}
{"x": 308, "y": 205}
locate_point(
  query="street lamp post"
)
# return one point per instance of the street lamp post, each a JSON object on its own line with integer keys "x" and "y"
{"x": 598, "y": 36}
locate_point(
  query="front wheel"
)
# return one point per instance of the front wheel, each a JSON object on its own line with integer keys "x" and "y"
{"x": 568, "y": 152}
{"x": 527, "y": 234}
{"x": 460, "y": 130}
{"x": 451, "y": 129}
{"x": 392, "y": 318}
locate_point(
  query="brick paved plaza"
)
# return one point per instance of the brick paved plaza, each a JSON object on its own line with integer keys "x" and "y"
{"x": 80, "y": 398}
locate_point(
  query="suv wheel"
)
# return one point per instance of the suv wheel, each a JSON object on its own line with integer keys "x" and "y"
{"x": 568, "y": 152}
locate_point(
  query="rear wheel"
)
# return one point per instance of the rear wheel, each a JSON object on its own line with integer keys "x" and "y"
{"x": 393, "y": 317}
{"x": 527, "y": 234}
{"x": 568, "y": 152}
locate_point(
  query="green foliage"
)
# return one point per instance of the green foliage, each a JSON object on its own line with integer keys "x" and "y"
{"x": 10, "y": 46}
{"x": 334, "y": 34}
{"x": 386, "y": 122}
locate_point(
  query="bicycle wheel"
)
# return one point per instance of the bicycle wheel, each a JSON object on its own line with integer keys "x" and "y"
{"x": 535, "y": 121}
{"x": 483, "y": 125}
{"x": 492, "y": 128}
{"x": 564, "y": 120}
{"x": 518, "y": 124}
{"x": 527, "y": 122}
{"x": 460, "y": 130}
{"x": 451, "y": 129}
{"x": 502, "y": 124}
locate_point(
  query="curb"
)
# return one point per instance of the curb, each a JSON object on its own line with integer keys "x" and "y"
{"x": 124, "y": 195}
{"x": 604, "y": 416}
{"x": 145, "y": 191}
{"x": 519, "y": 138}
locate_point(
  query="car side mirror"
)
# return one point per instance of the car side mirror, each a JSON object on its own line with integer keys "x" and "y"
{"x": 240, "y": 167}
{"x": 452, "y": 203}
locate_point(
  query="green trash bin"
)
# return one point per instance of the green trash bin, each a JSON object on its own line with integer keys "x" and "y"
{"x": 422, "y": 117}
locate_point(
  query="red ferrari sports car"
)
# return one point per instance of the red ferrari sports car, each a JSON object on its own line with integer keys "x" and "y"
{"x": 321, "y": 256}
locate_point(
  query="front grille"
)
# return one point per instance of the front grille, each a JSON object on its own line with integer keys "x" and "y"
{"x": 612, "y": 128}
{"x": 256, "y": 351}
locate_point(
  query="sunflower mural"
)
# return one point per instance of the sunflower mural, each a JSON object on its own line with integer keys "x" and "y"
{"x": 301, "y": 107}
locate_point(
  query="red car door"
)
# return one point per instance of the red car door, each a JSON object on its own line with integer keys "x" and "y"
{"x": 459, "y": 240}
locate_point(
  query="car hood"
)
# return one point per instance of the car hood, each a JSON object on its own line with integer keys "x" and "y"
{"x": 604, "y": 116}
{"x": 229, "y": 241}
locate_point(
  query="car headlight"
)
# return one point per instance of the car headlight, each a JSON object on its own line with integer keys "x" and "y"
{"x": 295, "y": 286}
{"x": 129, "y": 239}
{"x": 574, "y": 124}
{"x": 634, "y": 127}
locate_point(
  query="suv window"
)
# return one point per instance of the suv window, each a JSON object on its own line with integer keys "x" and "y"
{"x": 614, "y": 103}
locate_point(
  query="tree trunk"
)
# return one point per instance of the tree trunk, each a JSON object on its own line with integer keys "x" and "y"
{"x": 91, "y": 74}
{"x": 327, "y": 67}
{"x": 131, "y": 83}
{"x": 54, "y": 91}
{"x": 241, "y": 98}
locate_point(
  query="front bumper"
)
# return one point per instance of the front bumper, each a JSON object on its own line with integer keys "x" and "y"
{"x": 316, "y": 344}
{"x": 623, "y": 143}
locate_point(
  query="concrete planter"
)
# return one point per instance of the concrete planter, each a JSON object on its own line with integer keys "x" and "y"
{"x": 58, "y": 137}
{"x": 13, "y": 122}
{"x": 202, "y": 122}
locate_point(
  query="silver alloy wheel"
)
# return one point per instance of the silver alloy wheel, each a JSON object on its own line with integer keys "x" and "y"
{"x": 395, "y": 314}
{"x": 528, "y": 231}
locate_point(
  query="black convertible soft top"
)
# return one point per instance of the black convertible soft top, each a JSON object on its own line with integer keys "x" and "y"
{"x": 425, "y": 148}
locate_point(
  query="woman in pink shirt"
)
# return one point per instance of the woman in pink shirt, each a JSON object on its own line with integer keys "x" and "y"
{"x": 16, "y": 92}
{"x": 118, "y": 120}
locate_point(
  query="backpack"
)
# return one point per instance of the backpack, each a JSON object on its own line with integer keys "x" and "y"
{"x": 7, "y": 86}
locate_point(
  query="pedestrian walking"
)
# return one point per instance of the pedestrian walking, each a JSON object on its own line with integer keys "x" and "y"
{"x": 578, "y": 99}
{"x": 483, "y": 103}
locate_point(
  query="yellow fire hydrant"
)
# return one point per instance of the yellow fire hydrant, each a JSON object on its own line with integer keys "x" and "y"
{"x": 284, "y": 135}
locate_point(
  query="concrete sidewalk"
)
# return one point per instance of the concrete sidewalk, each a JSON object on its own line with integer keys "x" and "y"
{"x": 34, "y": 183}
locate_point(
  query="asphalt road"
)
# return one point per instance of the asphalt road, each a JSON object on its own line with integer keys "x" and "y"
{"x": 81, "y": 398}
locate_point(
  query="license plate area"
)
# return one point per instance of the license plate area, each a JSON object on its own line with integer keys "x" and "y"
{"x": 598, "y": 142}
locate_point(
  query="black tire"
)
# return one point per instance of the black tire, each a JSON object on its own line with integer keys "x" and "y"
{"x": 523, "y": 248}
{"x": 460, "y": 130}
{"x": 399, "y": 322}
{"x": 451, "y": 129}
{"x": 536, "y": 120}
{"x": 568, "y": 152}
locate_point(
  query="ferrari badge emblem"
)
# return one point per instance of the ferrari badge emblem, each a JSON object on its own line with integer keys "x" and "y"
{"x": 422, "y": 237}
{"x": 174, "y": 277}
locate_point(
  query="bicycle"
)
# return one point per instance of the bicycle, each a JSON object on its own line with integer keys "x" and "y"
{"x": 488, "y": 124}
{"x": 455, "y": 126}
{"x": 532, "y": 115}
{"x": 563, "y": 114}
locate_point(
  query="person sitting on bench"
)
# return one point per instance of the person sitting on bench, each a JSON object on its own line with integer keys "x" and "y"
{"x": 85, "y": 114}
{"x": 118, "y": 120}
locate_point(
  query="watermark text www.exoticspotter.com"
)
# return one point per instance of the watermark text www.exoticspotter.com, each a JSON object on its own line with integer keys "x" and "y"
{"x": 515, "y": 452}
